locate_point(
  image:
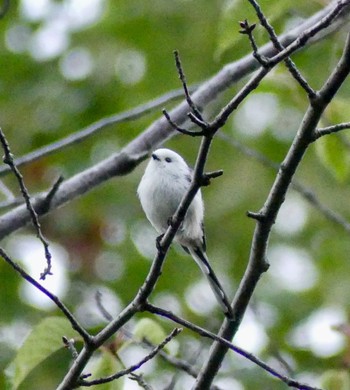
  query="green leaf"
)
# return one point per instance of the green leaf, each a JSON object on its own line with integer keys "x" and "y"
{"x": 335, "y": 380}
{"x": 44, "y": 340}
{"x": 152, "y": 331}
{"x": 337, "y": 111}
{"x": 107, "y": 364}
{"x": 334, "y": 156}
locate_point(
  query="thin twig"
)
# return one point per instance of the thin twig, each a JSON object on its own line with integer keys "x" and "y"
{"x": 148, "y": 141}
{"x": 140, "y": 381}
{"x": 176, "y": 362}
{"x": 73, "y": 375}
{"x": 134, "y": 367}
{"x": 318, "y": 133}
{"x": 205, "y": 333}
{"x": 253, "y": 83}
{"x": 103, "y": 310}
{"x": 274, "y": 39}
{"x": 160, "y": 130}
{"x": 16, "y": 201}
{"x": 179, "y": 129}
{"x": 247, "y": 29}
{"x": 81, "y": 135}
{"x": 182, "y": 77}
{"x": 75, "y": 324}
{"x": 206, "y": 178}
{"x": 302, "y": 40}
{"x": 50, "y": 195}
{"x": 304, "y": 191}
{"x": 257, "y": 263}
{"x": 8, "y": 159}
{"x": 194, "y": 115}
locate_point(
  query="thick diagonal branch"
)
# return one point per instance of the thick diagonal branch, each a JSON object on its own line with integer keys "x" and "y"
{"x": 125, "y": 161}
{"x": 268, "y": 213}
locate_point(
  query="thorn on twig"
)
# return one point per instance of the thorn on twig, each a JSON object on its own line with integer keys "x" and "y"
{"x": 84, "y": 376}
{"x": 257, "y": 216}
{"x": 206, "y": 178}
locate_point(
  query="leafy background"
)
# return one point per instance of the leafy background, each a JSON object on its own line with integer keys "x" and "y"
{"x": 66, "y": 64}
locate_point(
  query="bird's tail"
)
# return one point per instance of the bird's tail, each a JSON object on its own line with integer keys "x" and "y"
{"x": 201, "y": 259}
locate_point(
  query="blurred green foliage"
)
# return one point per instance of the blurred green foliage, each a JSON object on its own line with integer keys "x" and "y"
{"x": 119, "y": 59}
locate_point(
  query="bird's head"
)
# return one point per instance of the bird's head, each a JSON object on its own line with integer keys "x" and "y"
{"x": 169, "y": 161}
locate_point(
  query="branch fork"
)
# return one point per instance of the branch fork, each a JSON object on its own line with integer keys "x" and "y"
{"x": 261, "y": 235}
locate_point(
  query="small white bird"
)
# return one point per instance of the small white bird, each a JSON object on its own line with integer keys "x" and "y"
{"x": 166, "y": 179}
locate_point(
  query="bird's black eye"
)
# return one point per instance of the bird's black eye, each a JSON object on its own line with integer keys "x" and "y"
{"x": 168, "y": 159}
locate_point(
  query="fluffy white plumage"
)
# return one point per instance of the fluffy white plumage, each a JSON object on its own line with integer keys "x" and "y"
{"x": 166, "y": 179}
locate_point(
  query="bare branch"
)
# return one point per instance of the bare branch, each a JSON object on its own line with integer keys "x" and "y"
{"x": 50, "y": 195}
{"x": 140, "y": 381}
{"x": 197, "y": 121}
{"x": 75, "y": 324}
{"x": 145, "y": 290}
{"x": 132, "y": 154}
{"x": 182, "y": 77}
{"x": 301, "y": 41}
{"x": 248, "y": 29}
{"x": 194, "y": 115}
{"x": 318, "y": 133}
{"x": 103, "y": 310}
{"x": 274, "y": 39}
{"x": 257, "y": 260}
{"x": 159, "y": 131}
{"x": 305, "y": 192}
{"x": 179, "y": 129}
{"x": 122, "y": 163}
{"x": 134, "y": 367}
{"x": 8, "y": 159}
{"x": 205, "y": 333}
{"x": 96, "y": 127}
{"x": 12, "y": 202}
{"x": 206, "y": 179}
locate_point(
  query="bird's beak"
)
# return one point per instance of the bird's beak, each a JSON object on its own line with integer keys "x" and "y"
{"x": 155, "y": 157}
